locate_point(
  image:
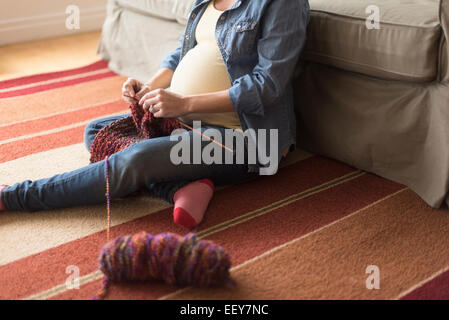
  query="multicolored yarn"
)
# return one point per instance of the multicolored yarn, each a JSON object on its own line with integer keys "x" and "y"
{"x": 122, "y": 133}
{"x": 175, "y": 259}
{"x": 108, "y": 200}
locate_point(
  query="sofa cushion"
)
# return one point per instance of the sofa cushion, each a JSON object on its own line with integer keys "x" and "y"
{"x": 405, "y": 47}
{"x": 168, "y": 9}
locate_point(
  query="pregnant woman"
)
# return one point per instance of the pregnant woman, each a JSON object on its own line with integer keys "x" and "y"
{"x": 233, "y": 69}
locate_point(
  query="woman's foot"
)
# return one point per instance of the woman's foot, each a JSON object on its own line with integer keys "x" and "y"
{"x": 2, "y": 207}
{"x": 191, "y": 202}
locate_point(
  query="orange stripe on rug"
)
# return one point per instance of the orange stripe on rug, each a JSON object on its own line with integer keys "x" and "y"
{"x": 24, "y": 146}
{"x": 18, "y": 278}
{"x": 52, "y": 75}
{"x": 62, "y": 99}
{"x": 61, "y": 119}
{"x": 17, "y": 149}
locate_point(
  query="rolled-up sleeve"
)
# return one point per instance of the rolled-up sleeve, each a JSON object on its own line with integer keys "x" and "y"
{"x": 171, "y": 61}
{"x": 283, "y": 35}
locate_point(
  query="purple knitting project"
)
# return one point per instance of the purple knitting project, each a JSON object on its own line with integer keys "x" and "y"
{"x": 122, "y": 133}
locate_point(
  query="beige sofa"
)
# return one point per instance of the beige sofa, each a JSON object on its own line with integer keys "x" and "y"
{"x": 377, "y": 99}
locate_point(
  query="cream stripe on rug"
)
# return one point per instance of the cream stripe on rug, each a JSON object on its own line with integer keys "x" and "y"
{"x": 23, "y": 234}
{"x": 19, "y": 231}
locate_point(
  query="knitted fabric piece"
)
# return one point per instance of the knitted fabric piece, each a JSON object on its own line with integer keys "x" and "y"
{"x": 122, "y": 133}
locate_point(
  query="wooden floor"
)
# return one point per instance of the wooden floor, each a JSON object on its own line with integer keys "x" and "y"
{"x": 22, "y": 59}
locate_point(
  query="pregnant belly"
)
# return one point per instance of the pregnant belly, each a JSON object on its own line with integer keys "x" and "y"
{"x": 202, "y": 70}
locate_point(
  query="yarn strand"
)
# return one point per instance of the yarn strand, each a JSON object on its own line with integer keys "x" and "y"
{"x": 108, "y": 201}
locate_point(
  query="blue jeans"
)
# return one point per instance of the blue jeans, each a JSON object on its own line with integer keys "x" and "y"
{"x": 145, "y": 164}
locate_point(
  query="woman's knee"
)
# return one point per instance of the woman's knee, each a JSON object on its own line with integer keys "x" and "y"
{"x": 96, "y": 125}
{"x": 144, "y": 162}
{"x": 90, "y": 132}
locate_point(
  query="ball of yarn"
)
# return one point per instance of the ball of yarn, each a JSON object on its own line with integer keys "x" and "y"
{"x": 177, "y": 260}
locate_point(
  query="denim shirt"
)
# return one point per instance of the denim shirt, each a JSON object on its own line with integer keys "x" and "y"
{"x": 260, "y": 42}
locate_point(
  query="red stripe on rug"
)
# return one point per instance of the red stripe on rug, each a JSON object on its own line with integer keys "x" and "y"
{"x": 435, "y": 289}
{"x": 66, "y": 83}
{"x": 52, "y": 75}
{"x": 260, "y": 234}
{"x": 46, "y": 269}
{"x": 18, "y": 149}
{"x": 60, "y": 120}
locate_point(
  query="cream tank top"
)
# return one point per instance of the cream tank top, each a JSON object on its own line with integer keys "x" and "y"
{"x": 202, "y": 70}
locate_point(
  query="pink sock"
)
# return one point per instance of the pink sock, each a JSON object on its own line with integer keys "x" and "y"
{"x": 2, "y": 207}
{"x": 191, "y": 202}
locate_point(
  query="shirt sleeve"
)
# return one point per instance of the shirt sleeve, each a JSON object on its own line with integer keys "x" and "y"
{"x": 171, "y": 61}
{"x": 283, "y": 35}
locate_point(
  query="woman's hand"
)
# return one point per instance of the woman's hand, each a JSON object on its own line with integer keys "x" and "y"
{"x": 133, "y": 90}
{"x": 165, "y": 104}
{"x": 129, "y": 90}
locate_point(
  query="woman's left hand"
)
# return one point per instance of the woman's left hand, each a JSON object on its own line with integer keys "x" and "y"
{"x": 164, "y": 103}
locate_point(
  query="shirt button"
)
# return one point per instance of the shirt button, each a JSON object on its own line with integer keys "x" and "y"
{"x": 222, "y": 18}
{"x": 187, "y": 37}
{"x": 193, "y": 15}
{"x": 238, "y": 27}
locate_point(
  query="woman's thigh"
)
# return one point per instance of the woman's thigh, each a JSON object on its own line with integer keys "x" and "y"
{"x": 96, "y": 125}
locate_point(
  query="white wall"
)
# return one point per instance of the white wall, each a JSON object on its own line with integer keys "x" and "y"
{"x": 25, "y": 20}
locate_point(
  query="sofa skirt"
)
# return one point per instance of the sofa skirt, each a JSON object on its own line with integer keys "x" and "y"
{"x": 394, "y": 129}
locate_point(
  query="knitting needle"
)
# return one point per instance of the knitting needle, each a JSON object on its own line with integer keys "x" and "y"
{"x": 199, "y": 132}
{"x": 134, "y": 98}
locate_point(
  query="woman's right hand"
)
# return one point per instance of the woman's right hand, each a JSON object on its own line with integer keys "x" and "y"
{"x": 133, "y": 90}
{"x": 130, "y": 89}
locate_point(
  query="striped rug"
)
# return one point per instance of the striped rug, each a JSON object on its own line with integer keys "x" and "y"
{"x": 309, "y": 232}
